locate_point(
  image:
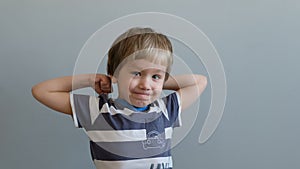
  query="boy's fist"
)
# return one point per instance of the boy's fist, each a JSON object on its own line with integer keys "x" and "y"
{"x": 101, "y": 83}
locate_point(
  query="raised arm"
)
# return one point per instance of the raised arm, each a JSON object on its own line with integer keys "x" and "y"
{"x": 55, "y": 93}
{"x": 189, "y": 87}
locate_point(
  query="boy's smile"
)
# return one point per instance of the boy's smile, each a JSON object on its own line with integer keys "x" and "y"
{"x": 140, "y": 82}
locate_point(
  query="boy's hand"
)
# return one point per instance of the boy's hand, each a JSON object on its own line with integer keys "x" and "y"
{"x": 100, "y": 83}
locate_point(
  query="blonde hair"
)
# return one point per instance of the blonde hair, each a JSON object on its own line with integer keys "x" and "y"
{"x": 140, "y": 43}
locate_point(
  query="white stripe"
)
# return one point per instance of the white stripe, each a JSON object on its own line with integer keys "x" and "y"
{"x": 73, "y": 110}
{"x": 94, "y": 108}
{"x": 117, "y": 135}
{"x": 168, "y": 132}
{"x": 135, "y": 164}
{"x": 106, "y": 109}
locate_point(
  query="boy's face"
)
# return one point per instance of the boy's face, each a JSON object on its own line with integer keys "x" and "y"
{"x": 140, "y": 82}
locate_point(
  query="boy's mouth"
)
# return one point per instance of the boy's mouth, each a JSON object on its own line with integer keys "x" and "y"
{"x": 141, "y": 95}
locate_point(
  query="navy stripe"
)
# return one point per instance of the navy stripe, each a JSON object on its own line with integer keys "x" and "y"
{"x": 172, "y": 105}
{"x": 134, "y": 121}
{"x": 103, "y": 98}
{"x": 106, "y": 121}
{"x": 127, "y": 151}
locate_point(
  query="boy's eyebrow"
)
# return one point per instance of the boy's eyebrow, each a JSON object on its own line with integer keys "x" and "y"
{"x": 134, "y": 66}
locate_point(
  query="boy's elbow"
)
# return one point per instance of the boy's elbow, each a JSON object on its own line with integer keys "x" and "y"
{"x": 35, "y": 91}
{"x": 202, "y": 82}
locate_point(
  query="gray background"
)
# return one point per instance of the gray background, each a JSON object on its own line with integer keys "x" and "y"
{"x": 258, "y": 43}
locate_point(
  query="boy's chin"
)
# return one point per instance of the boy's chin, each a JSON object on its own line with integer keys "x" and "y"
{"x": 140, "y": 103}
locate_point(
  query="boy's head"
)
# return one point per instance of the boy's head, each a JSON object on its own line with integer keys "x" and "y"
{"x": 140, "y": 43}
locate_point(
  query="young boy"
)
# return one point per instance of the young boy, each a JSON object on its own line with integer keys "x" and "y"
{"x": 133, "y": 131}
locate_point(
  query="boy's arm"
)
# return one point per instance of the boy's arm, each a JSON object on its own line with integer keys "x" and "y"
{"x": 189, "y": 87}
{"x": 55, "y": 93}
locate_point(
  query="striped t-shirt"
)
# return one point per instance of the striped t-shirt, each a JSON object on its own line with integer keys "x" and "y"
{"x": 123, "y": 138}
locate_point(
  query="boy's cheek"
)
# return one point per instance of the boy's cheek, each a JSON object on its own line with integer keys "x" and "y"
{"x": 158, "y": 90}
{"x": 161, "y": 85}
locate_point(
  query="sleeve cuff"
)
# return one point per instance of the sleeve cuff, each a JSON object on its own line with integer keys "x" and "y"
{"x": 73, "y": 110}
{"x": 179, "y": 109}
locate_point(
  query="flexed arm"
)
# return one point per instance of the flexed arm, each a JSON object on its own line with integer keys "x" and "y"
{"x": 189, "y": 87}
{"x": 55, "y": 93}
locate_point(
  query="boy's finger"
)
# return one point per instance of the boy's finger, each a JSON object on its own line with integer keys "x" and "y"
{"x": 105, "y": 87}
{"x": 107, "y": 80}
{"x": 97, "y": 88}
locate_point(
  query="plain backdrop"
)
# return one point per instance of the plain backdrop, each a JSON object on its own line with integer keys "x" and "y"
{"x": 258, "y": 43}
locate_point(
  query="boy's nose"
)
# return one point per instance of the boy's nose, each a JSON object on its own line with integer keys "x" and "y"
{"x": 144, "y": 83}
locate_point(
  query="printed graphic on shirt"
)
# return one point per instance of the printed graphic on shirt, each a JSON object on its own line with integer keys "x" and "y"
{"x": 160, "y": 166}
{"x": 154, "y": 140}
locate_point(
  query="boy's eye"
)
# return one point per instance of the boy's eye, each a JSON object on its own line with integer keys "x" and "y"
{"x": 136, "y": 73}
{"x": 156, "y": 77}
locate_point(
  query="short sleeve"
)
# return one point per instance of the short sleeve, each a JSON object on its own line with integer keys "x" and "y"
{"x": 81, "y": 105}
